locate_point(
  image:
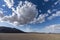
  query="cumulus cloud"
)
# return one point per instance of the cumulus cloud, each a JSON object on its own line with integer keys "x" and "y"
{"x": 26, "y": 12}
{"x": 54, "y": 15}
{"x": 55, "y": 28}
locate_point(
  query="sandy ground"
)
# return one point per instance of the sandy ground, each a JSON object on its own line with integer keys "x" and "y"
{"x": 21, "y": 36}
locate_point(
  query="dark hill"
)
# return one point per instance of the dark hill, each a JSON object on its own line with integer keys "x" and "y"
{"x": 10, "y": 30}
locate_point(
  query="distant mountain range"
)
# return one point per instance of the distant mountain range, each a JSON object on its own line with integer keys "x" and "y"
{"x": 9, "y": 30}
{"x": 4, "y": 29}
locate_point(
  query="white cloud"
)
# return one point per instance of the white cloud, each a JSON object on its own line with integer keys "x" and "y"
{"x": 40, "y": 19}
{"x": 57, "y": 2}
{"x": 40, "y": 11}
{"x": 54, "y": 28}
{"x": 1, "y": 14}
{"x": 49, "y": 11}
{"x": 26, "y": 13}
{"x": 9, "y": 3}
{"x": 28, "y": 28}
{"x": 51, "y": 29}
{"x": 46, "y": 0}
{"x": 54, "y": 15}
{"x": 3, "y": 5}
{"x": 23, "y": 14}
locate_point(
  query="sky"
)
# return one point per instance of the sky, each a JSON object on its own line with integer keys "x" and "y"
{"x": 31, "y": 15}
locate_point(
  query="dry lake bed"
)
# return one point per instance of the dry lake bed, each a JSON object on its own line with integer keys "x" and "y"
{"x": 28, "y": 36}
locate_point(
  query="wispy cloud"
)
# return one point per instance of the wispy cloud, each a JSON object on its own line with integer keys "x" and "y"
{"x": 54, "y": 15}
{"x": 9, "y": 3}
{"x": 55, "y": 28}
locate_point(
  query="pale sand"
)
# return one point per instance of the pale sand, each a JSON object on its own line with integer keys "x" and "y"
{"x": 26, "y": 36}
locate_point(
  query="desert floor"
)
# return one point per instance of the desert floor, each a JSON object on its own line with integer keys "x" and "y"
{"x": 28, "y": 36}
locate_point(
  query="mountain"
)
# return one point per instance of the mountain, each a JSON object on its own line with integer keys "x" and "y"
{"x": 9, "y": 30}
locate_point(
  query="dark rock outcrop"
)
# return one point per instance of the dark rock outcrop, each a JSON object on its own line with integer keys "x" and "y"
{"x": 10, "y": 30}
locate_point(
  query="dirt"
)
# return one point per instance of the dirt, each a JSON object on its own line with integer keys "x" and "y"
{"x": 27, "y": 36}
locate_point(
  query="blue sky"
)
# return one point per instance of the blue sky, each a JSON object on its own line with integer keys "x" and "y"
{"x": 49, "y": 12}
